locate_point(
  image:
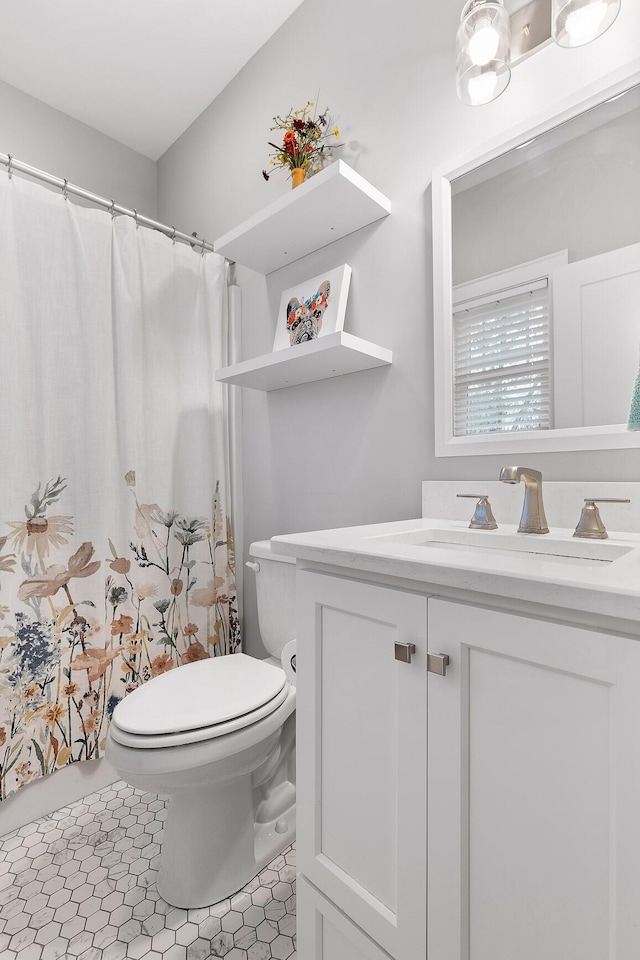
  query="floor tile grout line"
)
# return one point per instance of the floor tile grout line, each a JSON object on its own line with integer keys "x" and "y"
{"x": 80, "y": 883}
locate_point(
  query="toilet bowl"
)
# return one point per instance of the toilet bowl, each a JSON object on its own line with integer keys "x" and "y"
{"x": 218, "y": 738}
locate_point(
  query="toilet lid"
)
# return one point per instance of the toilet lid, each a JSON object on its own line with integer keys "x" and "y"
{"x": 200, "y": 694}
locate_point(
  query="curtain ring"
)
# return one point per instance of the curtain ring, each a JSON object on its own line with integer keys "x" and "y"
{"x": 135, "y": 217}
{"x": 173, "y": 234}
{"x": 202, "y": 249}
{"x": 65, "y": 193}
{"x": 9, "y": 170}
{"x": 112, "y": 210}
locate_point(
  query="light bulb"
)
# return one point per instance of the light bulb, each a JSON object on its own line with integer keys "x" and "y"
{"x": 483, "y": 54}
{"x": 482, "y": 88}
{"x": 584, "y": 25}
{"x": 576, "y": 22}
{"x": 484, "y": 43}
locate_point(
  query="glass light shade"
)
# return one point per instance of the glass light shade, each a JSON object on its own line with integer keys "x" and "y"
{"x": 576, "y": 22}
{"x": 483, "y": 52}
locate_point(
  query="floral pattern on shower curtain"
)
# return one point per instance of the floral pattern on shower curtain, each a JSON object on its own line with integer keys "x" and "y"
{"x": 116, "y": 548}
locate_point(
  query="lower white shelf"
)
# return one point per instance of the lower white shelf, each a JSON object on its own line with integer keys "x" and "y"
{"x": 332, "y": 356}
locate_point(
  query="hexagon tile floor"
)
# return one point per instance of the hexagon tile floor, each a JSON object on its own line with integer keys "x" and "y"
{"x": 80, "y": 883}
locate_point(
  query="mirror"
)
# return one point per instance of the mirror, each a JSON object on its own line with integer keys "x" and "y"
{"x": 537, "y": 284}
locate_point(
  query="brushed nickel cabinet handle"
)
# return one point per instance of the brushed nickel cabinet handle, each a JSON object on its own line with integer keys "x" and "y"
{"x": 404, "y": 651}
{"x": 438, "y": 663}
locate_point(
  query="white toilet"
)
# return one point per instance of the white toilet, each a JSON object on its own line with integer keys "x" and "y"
{"x": 218, "y": 738}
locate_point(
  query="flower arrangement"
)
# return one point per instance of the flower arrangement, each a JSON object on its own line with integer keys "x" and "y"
{"x": 304, "y": 143}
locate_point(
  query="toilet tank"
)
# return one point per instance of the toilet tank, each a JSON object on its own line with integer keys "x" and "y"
{"x": 275, "y": 589}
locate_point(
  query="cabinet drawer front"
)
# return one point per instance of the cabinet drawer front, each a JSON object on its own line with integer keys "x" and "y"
{"x": 324, "y": 933}
{"x": 533, "y": 772}
{"x": 361, "y": 764}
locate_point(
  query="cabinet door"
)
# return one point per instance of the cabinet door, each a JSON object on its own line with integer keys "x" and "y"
{"x": 361, "y": 763}
{"x": 534, "y": 790}
{"x": 324, "y": 933}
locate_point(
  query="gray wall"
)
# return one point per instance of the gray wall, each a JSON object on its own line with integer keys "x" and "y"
{"x": 43, "y": 137}
{"x": 354, "y": 450}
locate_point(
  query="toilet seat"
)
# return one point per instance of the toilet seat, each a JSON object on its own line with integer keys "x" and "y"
{"x": 200, "y": 701}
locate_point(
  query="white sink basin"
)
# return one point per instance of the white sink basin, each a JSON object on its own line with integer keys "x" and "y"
{"x": 586, "y": 553}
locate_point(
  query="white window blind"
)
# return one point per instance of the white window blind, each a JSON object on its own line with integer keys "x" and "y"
{"x": 501, "y": 359}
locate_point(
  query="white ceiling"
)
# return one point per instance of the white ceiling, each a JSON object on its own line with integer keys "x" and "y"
{"x": 140, "y": 71}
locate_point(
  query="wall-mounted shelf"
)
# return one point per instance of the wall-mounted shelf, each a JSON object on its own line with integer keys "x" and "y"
{"x": 331, "y": 356}
{"x": 330, "y": 205}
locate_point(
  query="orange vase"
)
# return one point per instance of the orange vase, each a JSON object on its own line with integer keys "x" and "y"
{"x": 297, "y": 176}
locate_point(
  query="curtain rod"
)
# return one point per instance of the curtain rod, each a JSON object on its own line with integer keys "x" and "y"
{"x": 12, "y": 164}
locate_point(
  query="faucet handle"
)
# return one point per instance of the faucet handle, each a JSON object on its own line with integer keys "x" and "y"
{"x": 483, "y": 518}
{"x": 590, "y": 525}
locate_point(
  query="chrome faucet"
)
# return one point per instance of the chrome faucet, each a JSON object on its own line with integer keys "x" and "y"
{"x": 533, "y": 519}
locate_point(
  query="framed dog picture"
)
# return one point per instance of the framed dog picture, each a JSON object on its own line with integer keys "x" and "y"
{"x": 313, "y": 308}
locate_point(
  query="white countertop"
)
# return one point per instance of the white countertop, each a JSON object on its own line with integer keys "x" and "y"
{"x": 608, "y": 589}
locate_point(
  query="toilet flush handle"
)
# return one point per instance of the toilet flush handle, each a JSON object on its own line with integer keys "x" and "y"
{"x": 253, "y": 565}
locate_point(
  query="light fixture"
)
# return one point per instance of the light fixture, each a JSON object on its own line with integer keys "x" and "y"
{"x": 489, "y": 41}
{"x": 576, "y": 22}
{"x": 483, "y": 54}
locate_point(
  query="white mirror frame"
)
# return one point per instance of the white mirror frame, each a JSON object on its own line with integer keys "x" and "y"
{"x": 611, "y": 437}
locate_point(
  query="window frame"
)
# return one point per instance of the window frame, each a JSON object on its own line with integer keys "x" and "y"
{"x": 504, "y": 284}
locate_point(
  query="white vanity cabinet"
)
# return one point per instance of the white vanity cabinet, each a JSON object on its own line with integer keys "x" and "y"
{"x": 361, "y": 769}
{"x": 325, "y": 933}
{"x": 534, "y": 789}
{"x": 527, "y": 846}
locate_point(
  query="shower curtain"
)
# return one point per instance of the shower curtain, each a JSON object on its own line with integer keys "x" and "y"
{"x": 116, "y": 551}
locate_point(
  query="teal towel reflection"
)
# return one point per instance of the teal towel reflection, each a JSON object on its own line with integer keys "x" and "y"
{"x": 634, "y": 410}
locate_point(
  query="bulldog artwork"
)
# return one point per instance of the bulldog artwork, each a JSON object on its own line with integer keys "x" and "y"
{"x": 304, "y": 319}
{"x": 312, "y": 309}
